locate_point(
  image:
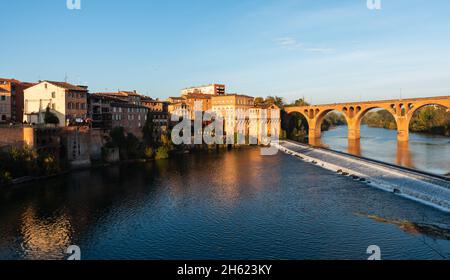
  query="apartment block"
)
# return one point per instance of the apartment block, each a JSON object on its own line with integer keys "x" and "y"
{"x": 212, "y": 89}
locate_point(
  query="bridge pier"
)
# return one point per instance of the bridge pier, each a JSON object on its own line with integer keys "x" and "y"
{"x": 354, "y": 147}
{"x": 354, "y": 133}
{"x": 315, "y": 142}
{"x": 402, "y": 129}
{"x": 314, "y": 133}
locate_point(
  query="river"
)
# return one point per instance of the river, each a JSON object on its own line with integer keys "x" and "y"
{"x": 423, "y": 152}
{"x": 227, "y": 205}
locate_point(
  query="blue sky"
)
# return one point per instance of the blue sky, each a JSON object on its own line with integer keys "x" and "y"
{"x": 328, "y": 51}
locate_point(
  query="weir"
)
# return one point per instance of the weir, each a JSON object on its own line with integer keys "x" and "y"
{"x": 426, "y": 188}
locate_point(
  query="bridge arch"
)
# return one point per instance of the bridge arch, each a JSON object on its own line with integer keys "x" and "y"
{"x": 304, "y": 113}
{"x": 355, "y": 122}
{"x": 320, "y": 117}
{"x": 415, "y": 108}
{"x": 291, "y": 124}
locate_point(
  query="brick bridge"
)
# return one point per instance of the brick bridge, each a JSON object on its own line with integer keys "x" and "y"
{"x": 402, "y": 110}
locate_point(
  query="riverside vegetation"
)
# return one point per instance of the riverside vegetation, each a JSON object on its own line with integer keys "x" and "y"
{"x": 433, "y": 120}
{"x": 24, "y": 162}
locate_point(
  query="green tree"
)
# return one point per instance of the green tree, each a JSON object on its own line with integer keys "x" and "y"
{"x": 162, "y": 153}
{"x": 259, "y": 101}
{"x": 128, "y": 144}
{"x": 300, "y": 102}
{"x": 147, "y": 131}
{"x": 276, "y": 100}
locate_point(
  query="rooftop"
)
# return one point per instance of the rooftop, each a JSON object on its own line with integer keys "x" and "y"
{"x": 67, "y": 86}
{"x": 210, "y": 85}
{"x": 10, "y": 80}
{"x": 233, "y": 94}
{"x": 198, "y": 95}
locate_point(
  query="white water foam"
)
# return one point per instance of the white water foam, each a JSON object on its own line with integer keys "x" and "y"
{"x": 433, "y": 192}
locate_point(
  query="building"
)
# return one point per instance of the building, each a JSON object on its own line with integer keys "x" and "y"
{"x": 158, "y": 111}
{"x": 127, "y": 109}
{"x": 129, "y": 116}
{"x": 68, "y": 102}
{"x": 212, "y": 89}
{"x": 131, "y": 97}
{"x": 100, "y": 111}
{"x": 11, "y": 100}
{"x": 228, "y": 107}
{"x": 40, "y": 138}
{"x": 154, "y": 105}
{"x": 185, "y": 106}
{"x": 230, "y": 103}
{"x": 5, "y": 104}
{"x": 242, "y": 116}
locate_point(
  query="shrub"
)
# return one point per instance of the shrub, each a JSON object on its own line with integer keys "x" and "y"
{"x": 162, "y": 153}
{"x": 48, "y": 165}
{"x": 5, "y": 177}
{"x": 148, "y": 153}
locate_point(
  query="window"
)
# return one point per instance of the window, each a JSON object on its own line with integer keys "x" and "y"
{"x": 3, "y": 98}
{"x": 54, "y": 106}
{"x": 53, "y": 94}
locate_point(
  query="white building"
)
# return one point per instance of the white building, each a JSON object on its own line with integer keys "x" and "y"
{"x": 68, "y": 102}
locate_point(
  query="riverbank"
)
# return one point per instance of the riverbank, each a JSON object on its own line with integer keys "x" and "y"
{"x": 31, "y": 179}
{"x": 97, "y": 165}
{"x": 426, "y": 188}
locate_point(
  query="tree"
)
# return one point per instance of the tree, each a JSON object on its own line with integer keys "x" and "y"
{"x": 259, "y": 101}
{"x": 147, "y": 131}
{"x": 50, "y": 118}
{"x": 118, "y": 137}
{"x": 161, "y": 153}
{"x": 275, "y": 100}
{"x": 300, "y": 102}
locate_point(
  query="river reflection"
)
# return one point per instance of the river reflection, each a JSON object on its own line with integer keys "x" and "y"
{"x": 422, "y": 152}
{"x": 228, "y": 205}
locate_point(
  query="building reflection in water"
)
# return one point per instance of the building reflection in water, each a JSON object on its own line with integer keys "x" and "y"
{"x": 229, "y": 178}
{"x": 44, "y": 238}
